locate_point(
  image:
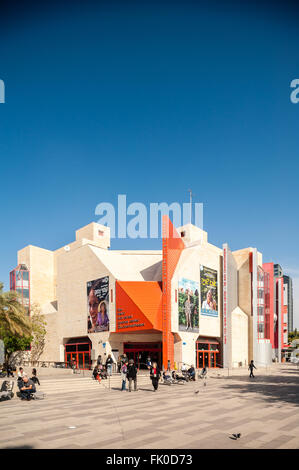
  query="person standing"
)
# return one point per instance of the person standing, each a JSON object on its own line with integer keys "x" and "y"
{"x": 125, "y": 359}
{"x": 99, "y": 360}
{"x": 109, "y": 363}
{"x": 251, "y": 367}
{"x": 155, "y": 375}
{"x": 132, "y": 375}
{"x": 21, "y": 375}
{"x": 34, "y": 377}
{"x": 123, "y": 376}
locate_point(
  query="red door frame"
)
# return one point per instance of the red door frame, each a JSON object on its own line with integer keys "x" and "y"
{"x": 74, "y": 355}
{"x": 140, "y": 347}
{"x": 209, "y": 352}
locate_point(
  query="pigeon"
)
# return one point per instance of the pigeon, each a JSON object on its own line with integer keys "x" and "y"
{"x": 196, "y": 391}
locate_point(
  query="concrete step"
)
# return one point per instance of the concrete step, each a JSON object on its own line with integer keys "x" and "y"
{"x": 82, "y": 384}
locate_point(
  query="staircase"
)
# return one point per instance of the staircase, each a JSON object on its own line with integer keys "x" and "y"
{"x": 77, "y": 383}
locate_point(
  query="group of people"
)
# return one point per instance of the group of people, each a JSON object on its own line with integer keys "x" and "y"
{"x": 26, "y": 385}
{"x": 103, "y": 370}
{"x": 128, "y": 372}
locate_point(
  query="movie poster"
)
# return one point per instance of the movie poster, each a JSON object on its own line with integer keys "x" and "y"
{"x": 208, "y": 291}
{"x": 188, "y": 305}
{"x": 98, "y": 305}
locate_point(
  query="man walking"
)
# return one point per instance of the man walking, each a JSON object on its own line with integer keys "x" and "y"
{"x": 251, "y": 367}
{"x": 132, "y": 375}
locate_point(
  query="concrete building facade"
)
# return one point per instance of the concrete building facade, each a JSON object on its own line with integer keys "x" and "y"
{"x": 191, "y": 302}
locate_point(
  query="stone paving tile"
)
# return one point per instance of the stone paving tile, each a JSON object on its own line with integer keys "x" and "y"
{"x": 174, "y": 417}
{"x": 276, "y": 443}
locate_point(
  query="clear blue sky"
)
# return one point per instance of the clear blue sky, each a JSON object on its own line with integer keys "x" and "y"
{"x": 149, "y": 99}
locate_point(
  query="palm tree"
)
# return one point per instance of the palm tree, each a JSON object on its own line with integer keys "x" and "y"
{"x": 13, "y": 317}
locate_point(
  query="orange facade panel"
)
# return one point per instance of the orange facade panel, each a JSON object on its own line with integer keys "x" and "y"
{"x": 172, "y": 247}
{"x": 138, "y": 306}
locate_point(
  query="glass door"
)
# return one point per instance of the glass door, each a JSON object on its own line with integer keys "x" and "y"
{"x": 212, "y": 359}
{"x": 206, "y": 359}
{"x": 86, "y": 360}
{"x": 200, "y": 359}
{"x": 80, "y": 361}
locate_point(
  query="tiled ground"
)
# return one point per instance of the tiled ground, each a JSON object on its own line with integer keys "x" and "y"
{"x": 264, "y": 410}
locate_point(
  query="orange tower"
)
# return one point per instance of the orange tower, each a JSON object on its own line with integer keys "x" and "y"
{"x": 172, "y": 247}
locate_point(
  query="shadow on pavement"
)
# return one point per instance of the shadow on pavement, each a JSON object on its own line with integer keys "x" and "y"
{"x": 272, "y": 389}
{"x": 18, "y": 447}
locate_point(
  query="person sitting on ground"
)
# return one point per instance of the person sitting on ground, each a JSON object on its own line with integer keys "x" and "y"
{"x": 178, "y": 377}
{"x": 132, "y": 375}
{"x": 34, "y": 377}
{"x": 27, "y": 389}
{"x": 95, "y": 372}
{"x": 102, "y": 371}
{"x": 9, "y": 371}
{"x": 191, "y": 372}
{"x": 166, "y": 376}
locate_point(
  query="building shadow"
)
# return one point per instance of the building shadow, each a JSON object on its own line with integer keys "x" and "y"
{"x": 271, "y": 389}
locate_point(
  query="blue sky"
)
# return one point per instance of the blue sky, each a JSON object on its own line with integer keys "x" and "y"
{"x": 149, "y": 99}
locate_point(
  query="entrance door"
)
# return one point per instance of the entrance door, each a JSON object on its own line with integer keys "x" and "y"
{"x": 71, "y": 358}
{"x": 140, "y": 352}
{"x": 80, "y": 360}
{"x": 78, "y": 353}
{"x": 206, "y": 359}
{"x": 200, "y": 359}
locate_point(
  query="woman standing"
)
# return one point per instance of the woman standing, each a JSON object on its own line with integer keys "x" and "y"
{"x": 34, "y": 377}
{"x": 155, "y": 375}
{"x": 109, "y": 364}
{"x": 123, "y": 375}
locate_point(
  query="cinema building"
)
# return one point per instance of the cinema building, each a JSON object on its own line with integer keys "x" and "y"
{"x": 191, "y": 302}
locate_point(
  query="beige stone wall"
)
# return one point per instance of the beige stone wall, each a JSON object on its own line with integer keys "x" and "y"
{"x": 244, "y": 288}
{"x": 74, "y": 269}
{"x": 239, "y": 337}
{"x": 52, "y": 341}
{"x": 40, "y": 262}
{"x": 189, "y": 267}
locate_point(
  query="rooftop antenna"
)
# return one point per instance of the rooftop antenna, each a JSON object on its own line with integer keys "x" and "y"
{"x": 191, "y": 194}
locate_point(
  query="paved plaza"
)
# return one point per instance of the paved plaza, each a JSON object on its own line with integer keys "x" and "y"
{"x": 79, "y": 413}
